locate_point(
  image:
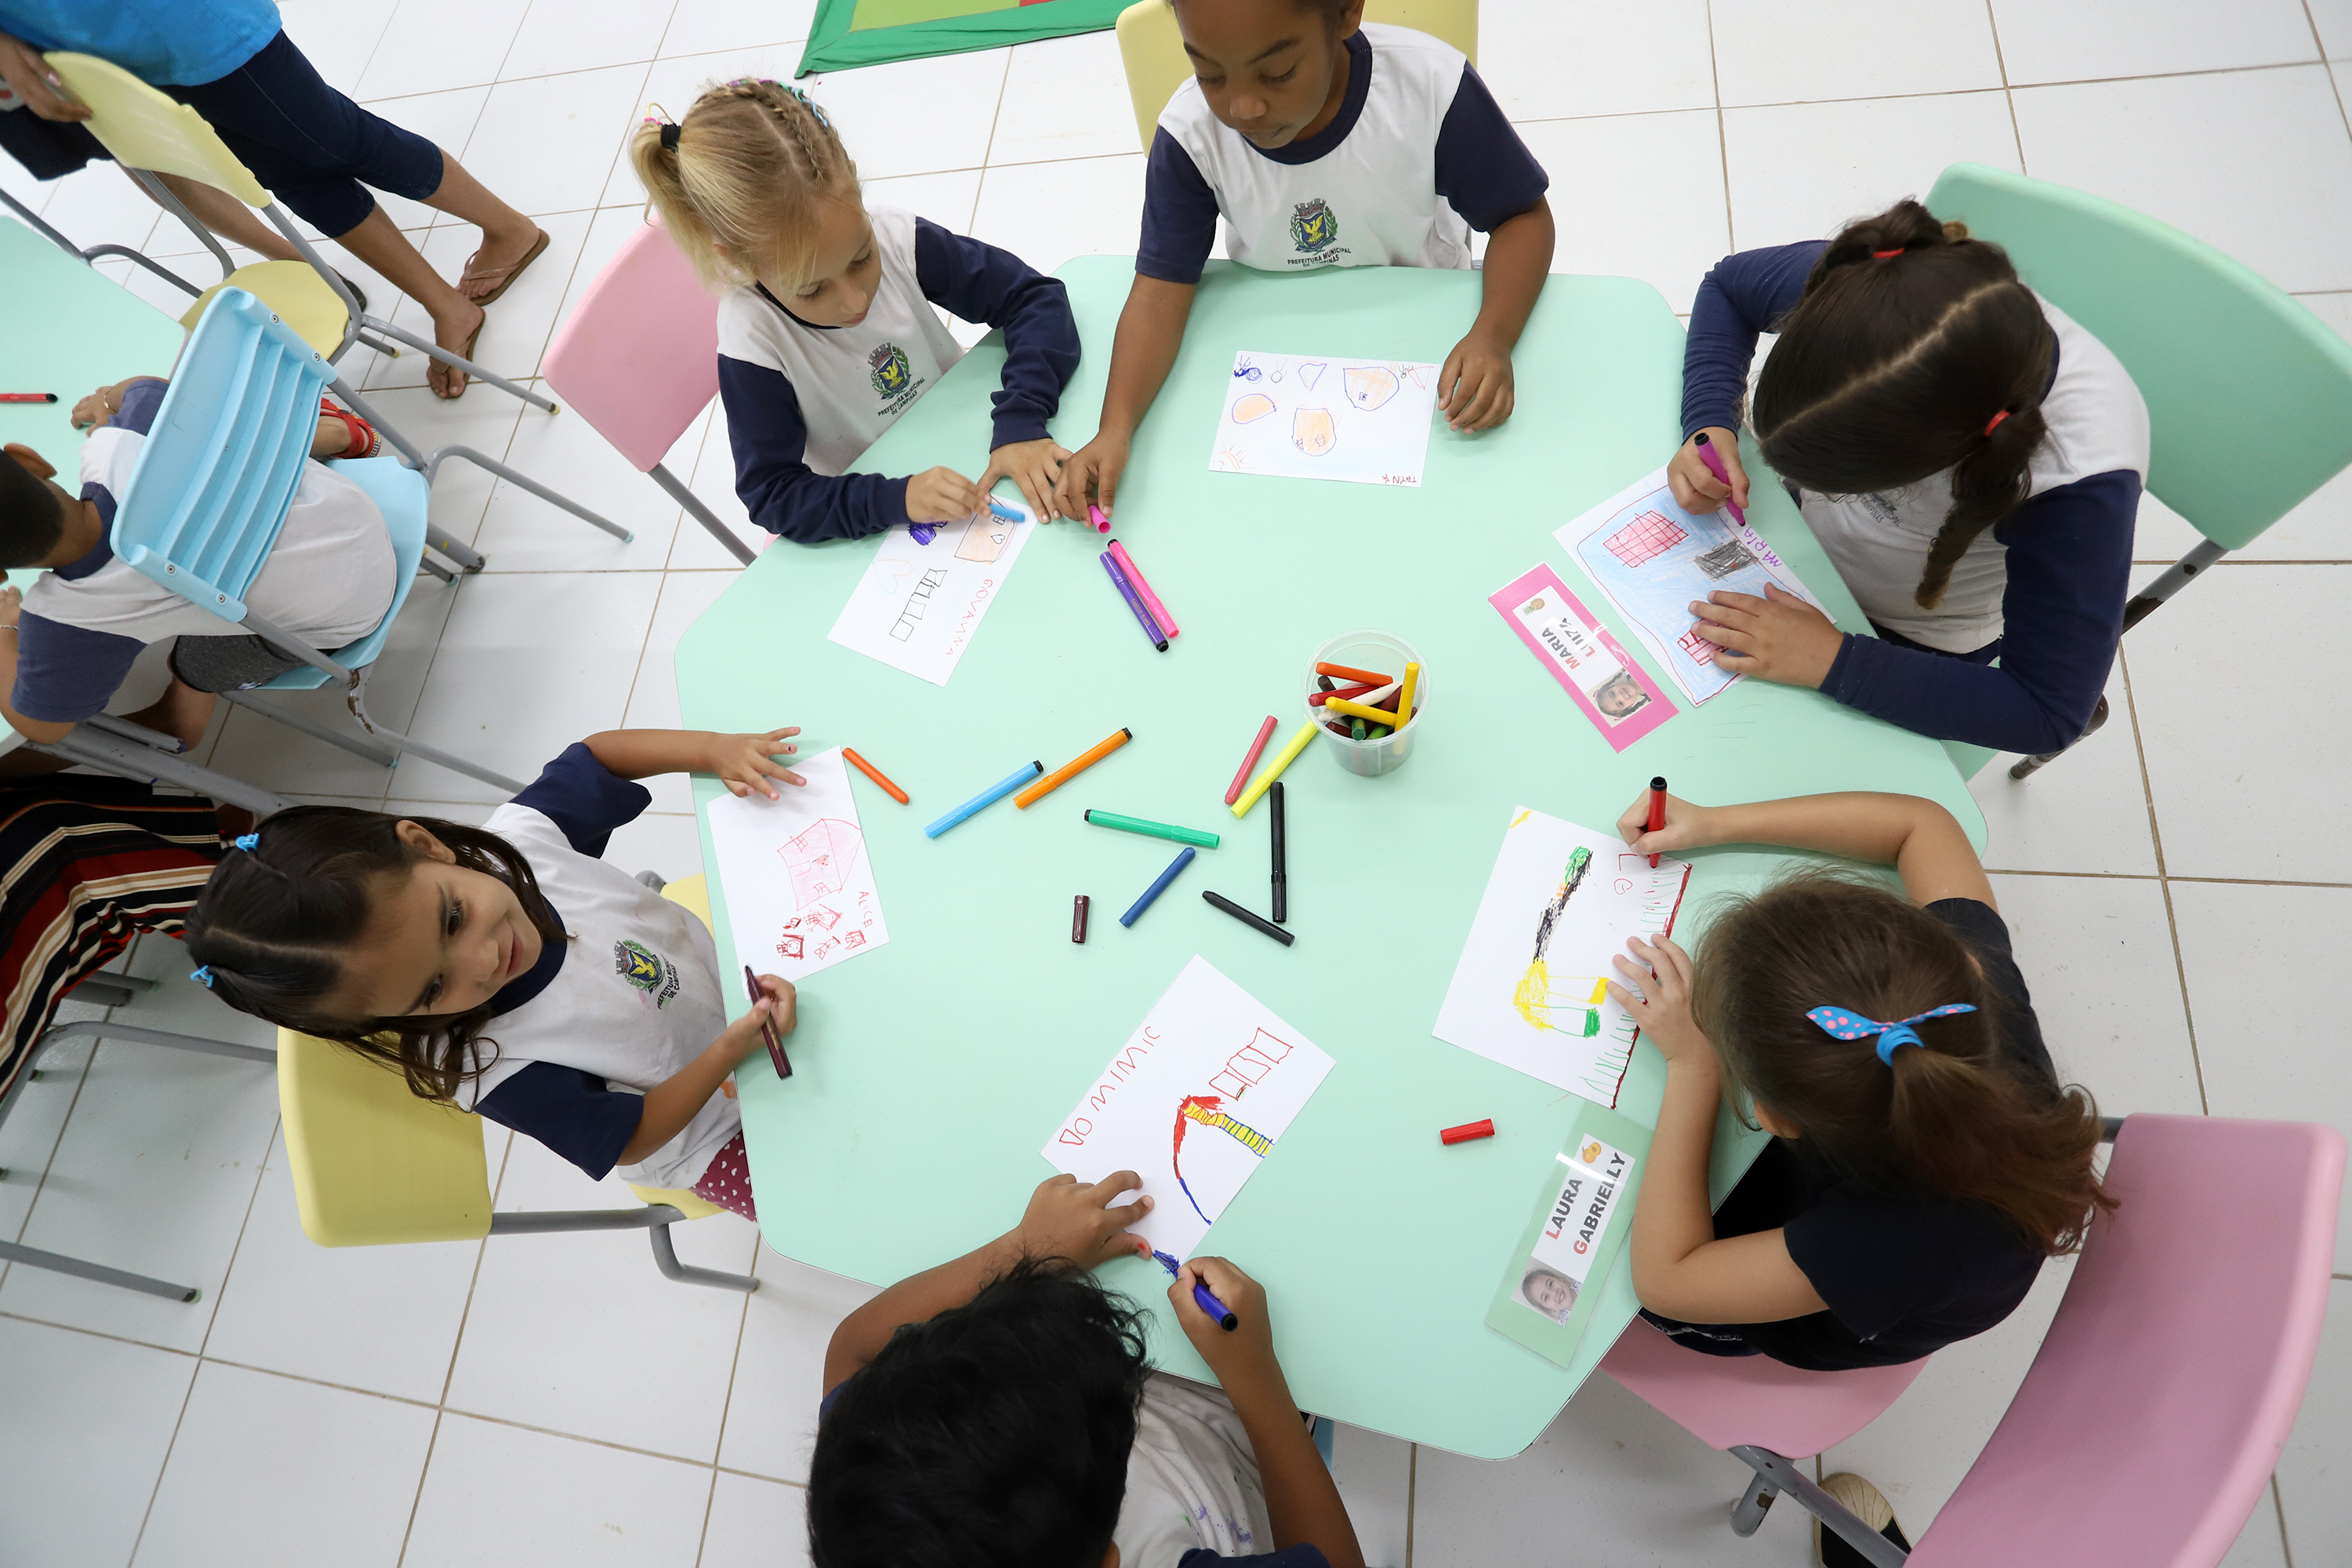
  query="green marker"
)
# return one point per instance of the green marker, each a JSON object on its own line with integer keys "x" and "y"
{"x": 1152, "y": 829}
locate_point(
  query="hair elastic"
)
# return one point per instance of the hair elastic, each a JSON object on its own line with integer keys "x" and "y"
{"x": 1840, "y": 1024}
{"x": 1993, "y": 423}
{"x": 203, "y": 973}
{"x": 1883, "y": 255}
{"x": 670, "y": 136}
{"x": 248, "y": 842}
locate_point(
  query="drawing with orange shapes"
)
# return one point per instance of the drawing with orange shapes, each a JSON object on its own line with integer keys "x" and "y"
{"x": 1230, "y": 460}
{"x": 820, "y": 857}
{"x": 1202, "y": 1110}
{"x": 1312, "y": 432}
{"x": 1370, "y": 385}
{"x": 984, "y": 538}
{"x": 1255, "y": 406}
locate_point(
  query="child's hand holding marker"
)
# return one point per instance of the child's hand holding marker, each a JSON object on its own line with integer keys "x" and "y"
{"x": 1696, "y": 487}
{"x": 746, "y": 763}
{"x": 1779, "y": 637}
{"x": 942, "y": 495}
{"x": 1688, "y": 826}
{"x": 1034, "y": 466}
{"x": 1244, "y": 1351}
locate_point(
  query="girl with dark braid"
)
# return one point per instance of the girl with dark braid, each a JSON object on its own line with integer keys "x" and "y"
{"x": 1969, "y": 457}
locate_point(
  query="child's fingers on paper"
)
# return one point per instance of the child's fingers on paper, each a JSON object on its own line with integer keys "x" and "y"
{"x": 1110, "y": 1186}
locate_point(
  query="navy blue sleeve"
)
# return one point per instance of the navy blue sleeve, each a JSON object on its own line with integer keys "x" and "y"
{"x": 1179, "y": 214}
{"x": 1482, "y": 168}
{"x": 781, "y": 491}
{"x": 569, "y": 1111}
{"x": 585, "y": 798}
{"x": 2063, "y": 614}
{"x": 1742, "y": 296}
{"x": 140, "y": 401}
{"x": 66, "y": 673}
{"x": 1304, "y": 1556}
{"x": 981, "y": 283}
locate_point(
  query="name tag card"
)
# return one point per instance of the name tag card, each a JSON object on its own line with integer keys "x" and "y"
{"x": 1624, "y": 703}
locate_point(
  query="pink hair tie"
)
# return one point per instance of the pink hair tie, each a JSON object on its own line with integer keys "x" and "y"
{"x": 1993, "y": 423}
{"x": 1883, "y": 255}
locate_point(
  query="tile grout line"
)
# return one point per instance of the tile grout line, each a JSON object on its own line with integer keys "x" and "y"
{"x": 2336, "y": 87}
{"x": 424, "y": 1470}
{"x": 1722, "y": 137}
{"x": 2278, "y": 1505}
{"x": 416, "y": 1500}
{"x": 2001, "y": 63}
{"x": 996, "y": 116}
{"x": 1411, "y": 1493}
{"x": 726, "y": 1407}
{"x": 2164, "y": 883}
{"x": 2135, "y": 877}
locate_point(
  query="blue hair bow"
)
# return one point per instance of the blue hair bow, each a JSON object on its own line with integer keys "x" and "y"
{"x": 203, "y": 973}
{"x": 248, "y": 842}
{"x": 1848, "y": 1025}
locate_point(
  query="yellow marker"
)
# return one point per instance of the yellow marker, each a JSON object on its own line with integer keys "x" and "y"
{"x": 1404, "y": 696}
{"x": 1358, "y": 711}
{"x": 1071, "y": 770}
{"x": 1273, "y": 770}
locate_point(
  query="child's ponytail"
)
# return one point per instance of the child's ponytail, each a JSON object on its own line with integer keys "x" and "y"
{"x": 739, "y": 181}
{"x": 1949, "y": 1113}
{"x": 1914, "y": 349}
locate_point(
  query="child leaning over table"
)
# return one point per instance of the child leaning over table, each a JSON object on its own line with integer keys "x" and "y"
{"x": 996, "y": 1412}
{"x": 1323, "y": 142}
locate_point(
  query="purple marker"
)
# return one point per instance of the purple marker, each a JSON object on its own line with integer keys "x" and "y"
{"x": 924, "y": 533}
{"x": 1204, "y": 1297}
{"x": 1142, "y": 617}
{"x": 1714, "y": 461}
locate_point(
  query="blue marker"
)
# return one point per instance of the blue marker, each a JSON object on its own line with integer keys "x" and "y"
{"x": 1001, "y": 510}
{"x": 1203, "y": 1298}
{"x": 986, "y": 797}
{"x": 924, "y": 533}
{"x": 1158, "y": 887}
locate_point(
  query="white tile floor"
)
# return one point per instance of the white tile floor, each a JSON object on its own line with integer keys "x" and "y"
{"x": 551, "y": 1399}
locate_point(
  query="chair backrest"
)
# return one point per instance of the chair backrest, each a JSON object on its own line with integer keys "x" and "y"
{"x": 372, "y": 1163}
{"x": 2162, "y": 1398}
{"x": 2247, "y": 390}
{"x": 1152, "y": 48}
{"x": 145, "y": 130}
{"x": 638, "y": 356}
{"x": 219, "y": 469}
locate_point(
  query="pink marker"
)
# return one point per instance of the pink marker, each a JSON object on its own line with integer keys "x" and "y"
{"x": 1095, "y": 515}
{"x": 1264, "y": 734}
{"x": 1151, "y": 600}
{"x": 1714, "y": 461}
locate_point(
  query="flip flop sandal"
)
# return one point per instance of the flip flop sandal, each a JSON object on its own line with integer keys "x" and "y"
{"x": 505, "y": 283}
{"x": 466, "y": 352}
{"x": 363, "y": 434}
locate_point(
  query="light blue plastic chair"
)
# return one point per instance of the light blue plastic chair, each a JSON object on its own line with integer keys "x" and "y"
{"x": 211, "y": 486}
{"x": 2249, "y": 394}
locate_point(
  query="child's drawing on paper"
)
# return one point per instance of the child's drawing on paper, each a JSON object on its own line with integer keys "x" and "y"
{"x": 1369, "y": 427}
{"x": 795, "y": 874}
{"x": 1195, "y": 1102}
{"x": 1579, "y": 895}
{"x": 923, "y": 596}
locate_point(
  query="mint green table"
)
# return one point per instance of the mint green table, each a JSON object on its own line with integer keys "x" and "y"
{"x": 67, "y": 330}
{"x": 929, "y": 1072}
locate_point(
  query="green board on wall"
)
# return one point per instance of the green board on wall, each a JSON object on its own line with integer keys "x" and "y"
{"x": 870, "y": 31}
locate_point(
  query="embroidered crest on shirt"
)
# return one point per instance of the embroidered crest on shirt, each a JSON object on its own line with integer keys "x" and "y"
{"x": 892, "y": 374}
{"x": 646, "y": 969}
{"x": 1313, "y": 225}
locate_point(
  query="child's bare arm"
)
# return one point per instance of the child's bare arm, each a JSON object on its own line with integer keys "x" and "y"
{"x": 675, "y": 1102}
{"x": 1301, "y": 1502}
{"x": 1919, "y": 838}
{"x": 1150, "y": 330}
{"x": 1066, "y": 1219}
{"x": 1475, "y": 387}
{"x": 744, "y": 762}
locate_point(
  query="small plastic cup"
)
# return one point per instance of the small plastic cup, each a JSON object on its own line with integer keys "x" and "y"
{"x": 1382, "y": 654}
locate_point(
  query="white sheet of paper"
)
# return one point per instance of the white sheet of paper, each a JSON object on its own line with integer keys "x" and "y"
{"x": 1310, "y": 418}
{"x": 1653, "y": 560}
{"x": 800, "y": 890}
{"x": 1194, "y": 1101}
{"x": 1527, "y": 990}
{"x": 918, "y": 605}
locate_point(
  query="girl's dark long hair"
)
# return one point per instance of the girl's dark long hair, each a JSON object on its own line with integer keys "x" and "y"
{"x": 1956, "y": 1120}
{"x": 277, "y": 925}
{"x": 1891, "y": 368}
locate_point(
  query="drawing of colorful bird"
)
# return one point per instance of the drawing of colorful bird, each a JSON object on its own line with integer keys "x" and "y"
{"x": 1203, "y": 1109}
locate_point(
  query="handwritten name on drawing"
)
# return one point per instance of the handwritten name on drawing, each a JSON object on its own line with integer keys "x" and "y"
{"x": 1244, "y": 1067}
{"x": 970, "y": 616}
{"x": 1587, "y": 1212}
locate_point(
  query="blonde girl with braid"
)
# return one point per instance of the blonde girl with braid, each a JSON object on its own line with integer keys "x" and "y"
{"x": 1970, "y": 458}
{"x": 826, "y": 331}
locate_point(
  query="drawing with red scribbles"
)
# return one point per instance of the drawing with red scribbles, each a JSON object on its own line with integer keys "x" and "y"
{"x": 1201, "y": 1108}
{"x": 1645, "y": 537}
{"x": 795, "y": 872}
{"x": 1698, "y": 647}
{"x": 789, "y": 945}
{"x": 820, "y": 857}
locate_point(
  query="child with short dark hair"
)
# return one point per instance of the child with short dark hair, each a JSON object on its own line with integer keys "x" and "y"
{"x": 997, "y": 1412}
{"x": 1322, "y": 141}
{"x": 1925, "y": 1159}
{"x": 1970, "y": 458}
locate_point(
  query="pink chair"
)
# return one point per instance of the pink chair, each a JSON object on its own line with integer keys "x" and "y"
{"x": 2161, "y": 1399}
{"x": 638, "y": 359}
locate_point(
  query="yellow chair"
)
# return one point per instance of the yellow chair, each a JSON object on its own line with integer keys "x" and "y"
{"x": 373, "y": 1165}
{"x": 1153, "y": 50}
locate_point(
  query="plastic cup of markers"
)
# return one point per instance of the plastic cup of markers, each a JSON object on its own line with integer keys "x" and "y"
{"x": 1383, "y": 655}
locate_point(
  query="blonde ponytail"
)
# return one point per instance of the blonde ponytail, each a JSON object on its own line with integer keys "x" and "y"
{"x": 742, "y": 181}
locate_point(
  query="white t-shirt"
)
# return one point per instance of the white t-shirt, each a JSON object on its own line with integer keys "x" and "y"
{"x": 852, "y": 382}
{"x": 1878, "y": 541}
{"x": 1192, "y": 1479}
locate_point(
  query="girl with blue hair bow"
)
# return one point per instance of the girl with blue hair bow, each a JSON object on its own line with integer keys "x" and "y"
{"x": 1924, "y": 1158}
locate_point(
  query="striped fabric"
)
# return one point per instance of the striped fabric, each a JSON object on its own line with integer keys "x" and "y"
{"x": 86, "y": 864}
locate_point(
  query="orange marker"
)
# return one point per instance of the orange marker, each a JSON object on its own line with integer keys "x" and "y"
{"x": 1345, "y": 672}
{"x": 871, "y": 772}
{"x": 1069, "y": 771}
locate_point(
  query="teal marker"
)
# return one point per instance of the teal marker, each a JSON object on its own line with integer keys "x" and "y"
{"x": 1001, "y": 510}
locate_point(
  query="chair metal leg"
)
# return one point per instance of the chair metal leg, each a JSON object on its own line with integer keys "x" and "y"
{"x": 124, "y": 730}
{"x": 2026, "y": 767}
{"x": 34, "y": 1257}
{"x": 148, "y": 181}
{"x": 434, "y": 569}
{"x": 718, "y": 531}
{"x": 665, "y": 1259}
{"x": 465, "y": 556}
{"x": 378, "y": 325}
{"x": 359, "y": 746}
{"x": 32, "y": 220}
{"x": 1749, "y": 1510}
{"x": 97, "y": 750}
{"x": 481, "y": 461}
{"x": 1783, "y": 1476}
{"x": 141, "y": 259}
{"x": 408, "y": 747}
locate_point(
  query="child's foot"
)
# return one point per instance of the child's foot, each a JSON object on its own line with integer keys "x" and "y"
{"x": 457, "y": 331}
{"x": 503, "y": 256}
{"x": 1867, "y": 1503}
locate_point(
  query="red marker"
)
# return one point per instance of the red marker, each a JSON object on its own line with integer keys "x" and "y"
{"x": 1658, "y": 808}
{"x": 27, "y": 397}
{"x": 1468, "y": 1130}
{"x": 1264, "y": 734}
{"x": 775, "y": 1042}
{"x": 1078, "y": 907}
{"x": 1345, "y": 693}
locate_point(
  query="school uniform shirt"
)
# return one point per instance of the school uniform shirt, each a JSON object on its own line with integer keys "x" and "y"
{"x": 329, "y": 580}
{"x": 1193, "y": 1497}
{"x": 2042, "y": 591}
{"x": 1903, "y": 1276}
{"x": 803, "y": 402}
{"x": 158, "y": 41}
{"x": 1418, "y": 156}
{"x": 625, "y": 1001}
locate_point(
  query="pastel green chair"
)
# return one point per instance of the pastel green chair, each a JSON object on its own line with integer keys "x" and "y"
{"x": 2249, "y": 394}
